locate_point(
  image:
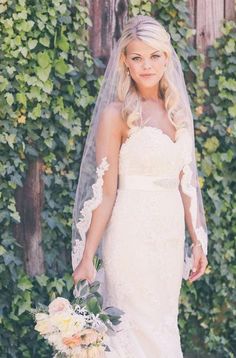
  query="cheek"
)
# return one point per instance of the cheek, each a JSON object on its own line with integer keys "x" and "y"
{"x": 159, "y": 67}
{"x": 135, "y": 68}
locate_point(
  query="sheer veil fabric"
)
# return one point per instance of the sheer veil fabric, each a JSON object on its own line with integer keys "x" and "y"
{"x": 89, "y": 191}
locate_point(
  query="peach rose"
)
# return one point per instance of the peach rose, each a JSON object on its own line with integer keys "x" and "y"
{"x": 86, "y": 336}
{"x": 72, "y": 341}
{"x": 59, "y": 304}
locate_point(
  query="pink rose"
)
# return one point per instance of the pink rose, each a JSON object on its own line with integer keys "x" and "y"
{"x": 59, "y": 304}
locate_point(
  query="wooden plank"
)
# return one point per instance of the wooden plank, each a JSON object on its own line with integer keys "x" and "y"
{"x": 209, "y": 16}
{"x": 108, "y": 18}
{"x": 192, "y": 16}
{"x": 230, "y": 9}
{"x": 29, "y": 202}
{"x": 192, "y": 12}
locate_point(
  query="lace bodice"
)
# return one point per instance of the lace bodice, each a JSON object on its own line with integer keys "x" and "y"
{"x": 158, "y": 154}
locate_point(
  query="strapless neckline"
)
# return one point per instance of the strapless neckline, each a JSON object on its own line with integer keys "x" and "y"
{"x": 136, "y": 129}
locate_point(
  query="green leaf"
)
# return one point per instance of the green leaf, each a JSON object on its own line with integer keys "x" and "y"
{"x": 32, "y": 44}
{"x": 43, "y": 59}
{"x": 63, "y": 43}
{"x": 230, "y": 46}
{"x": 24, "y": 51}
{"x": 3, "y": 83}
{"x": 232, "y": 111}
{"x": 3, "y": 8}
{"x": 43, "y": 73}
{"x": 45, "y": 41}
{"x": 37, "y": 111}
{"x": 48, "y": 86}
{"x": 24, "y": 283}
{"x": 211, "y": 144}
{"x": 10, "y": 139}
{"x": 61, "y": 67}
{"x": 2, "y": 250}
{"x": 42, "y": 280}
{"x": 21, "y": 98}
{"x": 93, "y": 306}
{"x": 9, "y": 98}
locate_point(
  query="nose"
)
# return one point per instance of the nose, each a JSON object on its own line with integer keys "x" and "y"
{"x": 146, "y": 64}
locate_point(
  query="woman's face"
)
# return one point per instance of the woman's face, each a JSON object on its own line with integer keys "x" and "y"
{"x": 146, "y": 64}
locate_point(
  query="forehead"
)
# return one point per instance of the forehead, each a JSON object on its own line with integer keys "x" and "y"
{"x": 140, "y": 47}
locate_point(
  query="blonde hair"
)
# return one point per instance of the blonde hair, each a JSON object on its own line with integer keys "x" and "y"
{"x": 147, "y": 29}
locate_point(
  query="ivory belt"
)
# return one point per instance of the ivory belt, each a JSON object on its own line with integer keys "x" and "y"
{"x": 147, "y": 182}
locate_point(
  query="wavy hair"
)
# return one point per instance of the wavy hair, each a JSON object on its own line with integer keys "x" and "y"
{"x": 150, "y": 31}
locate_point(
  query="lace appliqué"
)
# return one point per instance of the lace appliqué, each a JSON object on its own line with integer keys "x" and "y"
{"x": 190, "y": 190}
{"x": 89, "y": 205}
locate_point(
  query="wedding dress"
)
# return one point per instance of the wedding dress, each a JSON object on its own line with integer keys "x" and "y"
{"x": 143, "y": 245}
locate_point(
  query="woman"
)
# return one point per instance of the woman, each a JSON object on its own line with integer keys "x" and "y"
{"x": 138, "y": 186}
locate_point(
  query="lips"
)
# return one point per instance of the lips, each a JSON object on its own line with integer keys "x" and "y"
{"x": 147, "y": 75}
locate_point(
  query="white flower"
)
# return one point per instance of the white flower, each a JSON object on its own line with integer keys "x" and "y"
{"x": 64, "y": 322}
{"x": 39, "y": 316}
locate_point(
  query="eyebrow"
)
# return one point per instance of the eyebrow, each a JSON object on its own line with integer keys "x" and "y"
{"x": 135, "y": 53}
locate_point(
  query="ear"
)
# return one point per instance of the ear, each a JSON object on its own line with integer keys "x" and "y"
{"x": 166, "y": 59}
{"x": 123, "y": 59}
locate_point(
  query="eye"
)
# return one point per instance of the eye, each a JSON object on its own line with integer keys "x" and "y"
{"x": 156, "y": 56}
{"x": 136, "y": 58}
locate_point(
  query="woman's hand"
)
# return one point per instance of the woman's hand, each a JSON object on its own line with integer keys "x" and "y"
{"x": 199, "y": 263}
{"x": 84, "y": 271}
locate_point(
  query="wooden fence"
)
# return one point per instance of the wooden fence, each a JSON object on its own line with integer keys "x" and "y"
{"x": 108, "y": 18}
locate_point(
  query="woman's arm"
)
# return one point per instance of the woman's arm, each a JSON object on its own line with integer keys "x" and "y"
{"x": 187, "y": 202}
{"x": 108, "y": 141}
{"x": 193, "y": 220}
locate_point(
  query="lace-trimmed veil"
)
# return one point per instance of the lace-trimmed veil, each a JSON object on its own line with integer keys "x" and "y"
{"x": 89, "y": 189}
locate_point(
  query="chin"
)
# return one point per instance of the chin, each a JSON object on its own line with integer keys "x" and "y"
{"x": 151, "y": 84}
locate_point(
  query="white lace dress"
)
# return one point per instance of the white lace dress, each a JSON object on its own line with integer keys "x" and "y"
{"x": 143, "y": 244}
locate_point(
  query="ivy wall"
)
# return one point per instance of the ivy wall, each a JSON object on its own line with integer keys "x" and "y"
{"x": 47, "y": 91}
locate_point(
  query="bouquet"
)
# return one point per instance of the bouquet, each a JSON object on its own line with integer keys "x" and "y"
{"x": 78, "y": 329}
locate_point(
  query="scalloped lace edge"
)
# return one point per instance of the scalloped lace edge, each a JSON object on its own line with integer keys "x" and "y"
{"x": 89, "y": 205}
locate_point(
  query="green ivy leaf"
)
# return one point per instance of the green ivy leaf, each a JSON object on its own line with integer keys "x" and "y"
{"x": 43, "y": 73}
{"x": 2, "y": 250}
{"x": 63, "y": 43}
{"x": 10, "y": 139}
{"x": 42, "y": 280}
{"x": 43, "y": 59}
{"x": 9, "y": 98}
{"x": 36, "y": 113}
{"x": 24, "y": 283}
{"x": 61, "y": 67}
{"x": 3, "y": 8}
{"x": 230, "y": 46}
{"x": 232, "y": 111}
{"x": 32, "y": 43}
{"x": 21, "y": 98}
{"x": 45, "y": 41}
{"x": 211, "y": 144}
{"x": 3, "y": 83}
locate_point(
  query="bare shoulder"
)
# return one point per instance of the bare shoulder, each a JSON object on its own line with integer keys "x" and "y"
{"x": 114, "y": 109}
{"x": 111, "y": 116}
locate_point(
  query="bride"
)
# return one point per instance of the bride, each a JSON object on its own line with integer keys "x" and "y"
{"x": 138, "y": 187}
